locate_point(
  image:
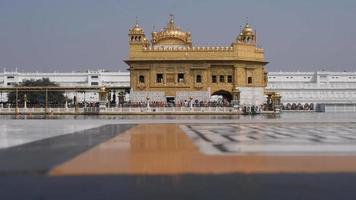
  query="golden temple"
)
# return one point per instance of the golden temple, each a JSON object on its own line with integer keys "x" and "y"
{"x": 170, "y": 68}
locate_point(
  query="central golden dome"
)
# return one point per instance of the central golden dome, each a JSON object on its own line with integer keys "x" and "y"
{"x": 171, "y": 35}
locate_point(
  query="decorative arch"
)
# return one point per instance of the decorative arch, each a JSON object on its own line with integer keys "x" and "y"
{"x": 294, "y": 106}
{"x": 198, "y": 79}
{"x": 225, "y": 94}
{"x": 311, "y": 106}
{"x": 306, "y": 106}
{"x": 299, "y": 106}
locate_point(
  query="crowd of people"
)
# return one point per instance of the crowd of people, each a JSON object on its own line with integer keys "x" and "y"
{"x": 142, "y": 104}
{"x": 185, "y": 103}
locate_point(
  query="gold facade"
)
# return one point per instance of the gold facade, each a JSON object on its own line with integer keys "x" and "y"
{"x": 170, "y": 63}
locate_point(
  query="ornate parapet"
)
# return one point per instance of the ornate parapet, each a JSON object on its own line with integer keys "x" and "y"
{"x": 184, "y": 48}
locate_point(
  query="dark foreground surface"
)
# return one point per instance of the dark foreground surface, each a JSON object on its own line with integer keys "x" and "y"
{"x": 228, "y": 186}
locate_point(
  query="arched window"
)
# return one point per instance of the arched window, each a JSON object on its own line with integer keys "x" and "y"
{"x": 139, "y": 38}
{"x": 213, "y": 79}
{"x": 229, "y": 79}
{"x": 198, "y": 79}
{"x": 249, "y": 80}
{"x": 142, "y": 79}
{"x": 222, "y": 78}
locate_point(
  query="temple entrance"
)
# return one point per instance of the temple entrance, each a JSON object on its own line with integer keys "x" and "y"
{"x": 170, "y": 101}
{"x": 227, "y": 96}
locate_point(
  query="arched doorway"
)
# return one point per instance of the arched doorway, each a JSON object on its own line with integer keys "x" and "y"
{"x": 225, "y": 94}
{"x": 311, "y": 106}
{"x": 306, "y": 106}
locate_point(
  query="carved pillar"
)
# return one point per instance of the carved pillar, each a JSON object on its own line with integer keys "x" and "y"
{"x": 103, "y": 98}
{"x": 236, "y": 96}
{"x": 276, "y": 101}
{"x": 25, "y": 101}
{"x": 236, "y": 76}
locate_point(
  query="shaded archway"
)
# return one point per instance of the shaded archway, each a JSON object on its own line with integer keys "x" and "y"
{"x": 294, "y": 106}
{"x": 299, "y": 106}
{"x": 225, "y": 94}
{"x": 312, "y": 106}
{"x": 306, "y": 106}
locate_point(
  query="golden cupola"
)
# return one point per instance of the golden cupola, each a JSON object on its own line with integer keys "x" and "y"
{"x": 171, "y": 35}
{"x": 247, "y": 35}
{"x": 137, "y": 35}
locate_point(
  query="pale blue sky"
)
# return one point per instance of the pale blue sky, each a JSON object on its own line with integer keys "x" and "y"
{"x": 65, "y": 35}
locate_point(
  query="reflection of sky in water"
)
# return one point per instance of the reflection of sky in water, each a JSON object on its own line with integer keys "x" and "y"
{"x": 16, "y": 132}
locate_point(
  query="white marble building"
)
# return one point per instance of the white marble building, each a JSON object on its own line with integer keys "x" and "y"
{"x": 294, "y": 87}
{"x": 314, "y": 87}
{"x": 69, "y": 79}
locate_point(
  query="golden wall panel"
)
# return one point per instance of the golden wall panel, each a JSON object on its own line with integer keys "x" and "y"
{"x": 238, "y": 60}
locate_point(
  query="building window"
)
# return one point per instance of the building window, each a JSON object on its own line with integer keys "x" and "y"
{"x": 213, "y": 79}
{"x": 249, "y": 80}
{"x": 229, "y": 79}
{"x": 180, "y": 78}
{"x": 198, "y": 79}
{"x": 141, "y": 79}
{"x": 10, "y": 77}
{"x": 159, "y": 78}
{"x": 94, "y": 76}
{"x": 222, "y": 79}
{"x": 9, "y": 84}
{"x": 94, "y": 83}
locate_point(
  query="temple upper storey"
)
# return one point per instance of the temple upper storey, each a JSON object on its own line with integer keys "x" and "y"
{"x": 172, "y": 43}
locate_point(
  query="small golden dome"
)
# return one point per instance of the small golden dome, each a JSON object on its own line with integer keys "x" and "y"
{"x": 247, "y": 35}
{"x": 136, "y": 29}
{"x": 247, "y": 30}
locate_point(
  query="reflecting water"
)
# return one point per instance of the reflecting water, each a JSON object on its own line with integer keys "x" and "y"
{"x": 165, "y": 149}
{"x": 16, "y": 130}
